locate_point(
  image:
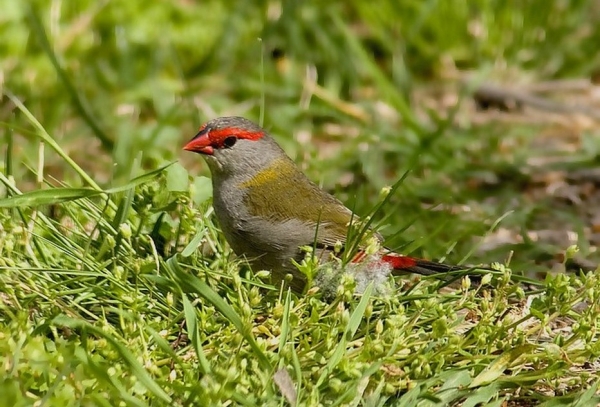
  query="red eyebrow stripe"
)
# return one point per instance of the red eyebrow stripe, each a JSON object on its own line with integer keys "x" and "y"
{"x": 218, "y": 136}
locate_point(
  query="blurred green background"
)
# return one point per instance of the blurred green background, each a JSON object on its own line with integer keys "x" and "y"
{"x": 356, "y": 92}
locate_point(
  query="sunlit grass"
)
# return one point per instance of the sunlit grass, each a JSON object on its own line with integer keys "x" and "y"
{"x": 116, "y": 285}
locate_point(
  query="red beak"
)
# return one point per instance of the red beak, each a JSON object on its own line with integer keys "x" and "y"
{"x": 200, "y": 144}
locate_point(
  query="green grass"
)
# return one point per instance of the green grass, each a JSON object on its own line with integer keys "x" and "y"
{"x": 117, "y": 288}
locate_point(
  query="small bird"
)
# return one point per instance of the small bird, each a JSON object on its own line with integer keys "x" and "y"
{"x": 269, "y": 210}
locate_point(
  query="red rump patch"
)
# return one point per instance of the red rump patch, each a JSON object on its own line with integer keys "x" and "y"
{"x": 397, "y": 261}
{"x": 359, "y": 257}
{"x": 217, "y": 137}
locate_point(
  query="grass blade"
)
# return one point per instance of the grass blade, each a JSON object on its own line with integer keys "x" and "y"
{"x": 38, "y": 28}
{"x": 190, "y": 283}
{"x": 191, "y": 322}
{"x": 136, "y": 368}
{"x": 47, "y": 197}
{"x": 349, "y": 332}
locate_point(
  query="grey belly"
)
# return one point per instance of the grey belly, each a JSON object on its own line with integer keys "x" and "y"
{"x": 271, "y": 246}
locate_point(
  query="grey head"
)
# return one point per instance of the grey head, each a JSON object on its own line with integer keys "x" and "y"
{"x": 234, "y": 146}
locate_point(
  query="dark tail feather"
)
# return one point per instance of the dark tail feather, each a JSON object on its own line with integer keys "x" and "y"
{"x": 404, "y": 264}
{"x": 427, "y": 268}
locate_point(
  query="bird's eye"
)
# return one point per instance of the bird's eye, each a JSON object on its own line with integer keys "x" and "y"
{"x": 229, "y": 141}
